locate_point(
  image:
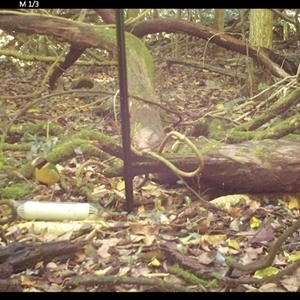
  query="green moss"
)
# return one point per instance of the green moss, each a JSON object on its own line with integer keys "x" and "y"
{"x": 262, "y": 152}
{"x": 87, "y": 191}
{"x": 135, "y": 46}
{"x": 42, "y": 127}
{"x": 212, "y": 146}
{"x": 292, "y": 137}
{"x": 16, "y": 191}
{"x": 216, "y": 130}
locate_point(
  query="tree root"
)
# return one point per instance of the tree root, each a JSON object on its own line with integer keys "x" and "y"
{"x": 267, "y": 260}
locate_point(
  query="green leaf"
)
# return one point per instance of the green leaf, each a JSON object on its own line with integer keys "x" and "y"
{"x": 265, "y": 272}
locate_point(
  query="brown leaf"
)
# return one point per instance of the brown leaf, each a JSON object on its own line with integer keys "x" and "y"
{"x": 151, "y": 254}
{"x": 264, "y": 234}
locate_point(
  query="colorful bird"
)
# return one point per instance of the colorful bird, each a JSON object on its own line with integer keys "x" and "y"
{"x": 45, "y": 172}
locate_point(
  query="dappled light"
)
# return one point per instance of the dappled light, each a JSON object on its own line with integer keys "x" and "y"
{"x": 214, "y": 149}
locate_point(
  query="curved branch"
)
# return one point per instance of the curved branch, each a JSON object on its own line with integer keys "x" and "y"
{"x": 171, "y": 25}
{"x": 107, "y": 15}
{"x": 282, "y": 16}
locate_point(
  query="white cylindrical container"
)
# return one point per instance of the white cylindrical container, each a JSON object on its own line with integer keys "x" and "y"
{"x": 55, "y": 211}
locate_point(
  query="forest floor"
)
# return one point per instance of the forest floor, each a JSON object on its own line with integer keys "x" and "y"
{"x": 169, "y": 237}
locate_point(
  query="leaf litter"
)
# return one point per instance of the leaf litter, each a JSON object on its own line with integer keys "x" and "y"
{"x": 167, "y": 239}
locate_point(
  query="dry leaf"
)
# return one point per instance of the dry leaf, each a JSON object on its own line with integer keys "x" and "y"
{"x": 291, "y": 283}
{"x": 151, "y": 254}
{"x": 264, "y": 234}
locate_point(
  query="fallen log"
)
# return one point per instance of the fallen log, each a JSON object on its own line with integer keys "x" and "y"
{"x": 248, "y": 167}
{"x": 20, "y": 256}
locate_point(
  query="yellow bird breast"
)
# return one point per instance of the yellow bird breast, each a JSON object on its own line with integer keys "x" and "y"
{"x": 47, "y": 175}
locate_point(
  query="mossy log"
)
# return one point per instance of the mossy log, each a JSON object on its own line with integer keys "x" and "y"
{"x": 252, "y": 166}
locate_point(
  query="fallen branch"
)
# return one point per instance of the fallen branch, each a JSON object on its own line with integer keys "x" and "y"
{"x": 90, "y": 280}
{"x": 21, "y": 256}
{"x": 205, "y": 66}
{"x": 268, "y": 260}
{"x": 54, "y": 58}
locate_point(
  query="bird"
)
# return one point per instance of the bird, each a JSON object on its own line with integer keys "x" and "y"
{"x": 46, "y": 172}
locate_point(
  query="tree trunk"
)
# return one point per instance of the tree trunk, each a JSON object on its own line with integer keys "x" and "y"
{"x": 219, "y": 26}
{"x": 261, "y": 35}
{"x": 146, "y": 126}
{"x": 261, "y": 28}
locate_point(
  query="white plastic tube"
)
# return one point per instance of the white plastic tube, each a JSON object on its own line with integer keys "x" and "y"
{"x": 55, "y": 211}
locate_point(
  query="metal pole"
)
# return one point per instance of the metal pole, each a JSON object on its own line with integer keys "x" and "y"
{"x": 124, "y": 106}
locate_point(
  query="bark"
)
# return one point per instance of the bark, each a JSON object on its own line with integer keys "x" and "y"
{"x": 70, "y": 59}
{"x": 10, "y": 285}
{"x": 17, "y": 257}
{"x": 261, "y": 28}
{"x": 107, "y": 15}
{"x": 252, "y": 166}
{"x": 218, "y": 25}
